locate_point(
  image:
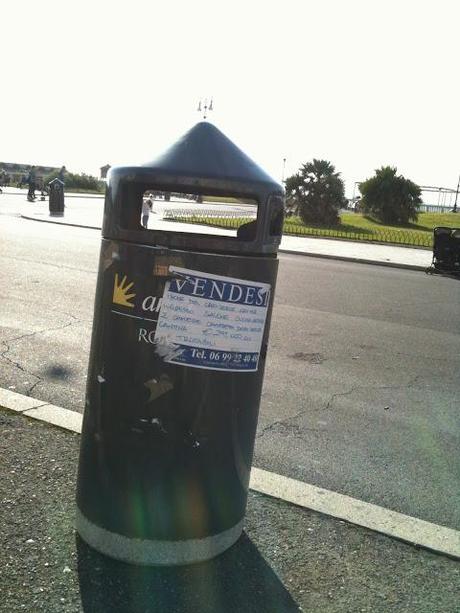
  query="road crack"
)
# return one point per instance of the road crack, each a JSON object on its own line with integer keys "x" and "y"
{"x": 330, "y": 402}
{"x": 287, "y": 420}
{"x": 338, "y": 395}
{"x": 279, "y": 422}
{"x": 8, "y": 348}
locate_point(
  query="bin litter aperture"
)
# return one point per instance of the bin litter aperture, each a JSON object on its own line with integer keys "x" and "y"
{"x": 177, "y": 358}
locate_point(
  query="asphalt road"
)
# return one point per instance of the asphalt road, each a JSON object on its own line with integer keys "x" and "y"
{"x": 361, "y": 390}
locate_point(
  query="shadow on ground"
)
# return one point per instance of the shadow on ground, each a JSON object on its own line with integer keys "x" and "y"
{"x": 58, "y": 372}
{"x": 238, "y": 580}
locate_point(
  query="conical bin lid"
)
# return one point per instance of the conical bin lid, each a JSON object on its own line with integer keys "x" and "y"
{"x": 202, "y": 161}
{"x": 204, "y": 151}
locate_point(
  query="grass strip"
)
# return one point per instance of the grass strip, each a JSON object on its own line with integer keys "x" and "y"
{"x": 353, "y": 226}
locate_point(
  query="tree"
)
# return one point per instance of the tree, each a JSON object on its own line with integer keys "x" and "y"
{"x": 389, "y": 197}
{"x": 78, "y": 181}
{"x": 317, "y": 193}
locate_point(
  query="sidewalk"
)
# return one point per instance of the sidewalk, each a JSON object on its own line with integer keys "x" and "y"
{"x": 88, "y": 214}
{"x": 289, "y": 558}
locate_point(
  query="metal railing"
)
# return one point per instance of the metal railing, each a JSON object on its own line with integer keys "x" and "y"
{"x": 413, "y": 238}
{"x": 232, "y": 220}
{"x": 434, "y": 208}
{"x": 208, "y": 214}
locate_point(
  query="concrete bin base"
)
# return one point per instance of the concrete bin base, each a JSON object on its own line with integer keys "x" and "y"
{"x": 152, "y": 553}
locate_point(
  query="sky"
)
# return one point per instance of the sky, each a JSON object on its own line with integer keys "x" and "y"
{"x": 361, "y": 83}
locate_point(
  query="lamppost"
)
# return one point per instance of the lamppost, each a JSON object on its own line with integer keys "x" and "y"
{"x": 284, "y": 168}
{"x": 205, "y": 108}
{"x": 454, "y": 210}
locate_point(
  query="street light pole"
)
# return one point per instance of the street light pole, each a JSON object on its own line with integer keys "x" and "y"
{"x": 205, "y": 107}
{"x": 456, "y": 196}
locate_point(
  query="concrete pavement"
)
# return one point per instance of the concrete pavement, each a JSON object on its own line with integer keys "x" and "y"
{"x": 434, "y": 537}
{"x": 288, "y": 559}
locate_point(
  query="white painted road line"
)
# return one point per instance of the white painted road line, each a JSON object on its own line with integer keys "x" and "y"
{"x": 18, "y": 402}
{"x": 69, "y": 420}
{"x": 391, "y": 523}
{"x": 394, "y": 524}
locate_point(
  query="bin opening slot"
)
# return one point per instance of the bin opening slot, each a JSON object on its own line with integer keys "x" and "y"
{"x": 206, "y": 214}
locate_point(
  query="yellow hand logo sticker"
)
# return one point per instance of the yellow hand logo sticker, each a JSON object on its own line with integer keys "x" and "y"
{"x": 120, "y": 292}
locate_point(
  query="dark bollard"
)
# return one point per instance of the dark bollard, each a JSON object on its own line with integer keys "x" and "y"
{"x": 56, "y": 198}
{"x": 177, "y": 358}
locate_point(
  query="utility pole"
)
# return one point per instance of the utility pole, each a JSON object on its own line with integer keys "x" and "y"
{"x": 454, "y": 210}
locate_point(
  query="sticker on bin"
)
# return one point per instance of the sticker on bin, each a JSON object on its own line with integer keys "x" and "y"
{"x": 211, "y": 322}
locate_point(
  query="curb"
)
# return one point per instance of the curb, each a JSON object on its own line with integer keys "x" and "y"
{"x": 326, "y": 256}
{"x": 345, "y": 258}
{"x": 60, "y": 223}
{"x": 411, "y": 530}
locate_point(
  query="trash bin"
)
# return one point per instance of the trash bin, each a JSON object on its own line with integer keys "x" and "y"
{"x": 179, "y": 344}
{"x": 56, "y": 198}
{"x": 446, "y": 249}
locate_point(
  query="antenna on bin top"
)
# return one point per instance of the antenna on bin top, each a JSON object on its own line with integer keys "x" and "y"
{"x": 204, "y": 106}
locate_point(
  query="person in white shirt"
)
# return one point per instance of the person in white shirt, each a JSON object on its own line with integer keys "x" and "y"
{"x": 146, "y": 209}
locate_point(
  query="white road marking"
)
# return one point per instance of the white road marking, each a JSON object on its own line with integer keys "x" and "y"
{"x": 18, "y": 402}
{"x": 69, "y": 420}
{"x": 391, "y": 523}
{"x": 394, "y": 524}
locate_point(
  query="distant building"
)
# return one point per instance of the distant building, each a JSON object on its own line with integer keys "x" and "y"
{"x": 104, "y": 170}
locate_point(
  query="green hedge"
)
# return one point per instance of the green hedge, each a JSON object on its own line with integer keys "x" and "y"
{"x": 79, "y": 182}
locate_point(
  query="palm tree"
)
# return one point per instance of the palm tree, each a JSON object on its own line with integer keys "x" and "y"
{"x": 390, "y": 198}
{"x": 317, "y": 192}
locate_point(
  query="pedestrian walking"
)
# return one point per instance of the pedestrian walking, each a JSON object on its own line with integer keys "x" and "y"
{"x": 146, "y": 210}
{"x": 31, "y": 180}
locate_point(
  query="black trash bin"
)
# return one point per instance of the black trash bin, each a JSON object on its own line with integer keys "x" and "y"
{"x": 56, "y": 198}
{"x": 178, "y": 351}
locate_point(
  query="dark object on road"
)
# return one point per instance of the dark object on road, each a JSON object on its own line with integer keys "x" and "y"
{"x": 446, "y": 250}
{"x": 56, "y": 198}
{"x": 177, "y": 359}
